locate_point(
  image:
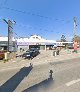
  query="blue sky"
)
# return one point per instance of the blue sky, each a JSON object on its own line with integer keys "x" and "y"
{"x": 47, "y": 18}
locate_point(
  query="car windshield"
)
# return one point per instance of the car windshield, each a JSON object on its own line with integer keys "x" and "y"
{"x": 27, "y": 51}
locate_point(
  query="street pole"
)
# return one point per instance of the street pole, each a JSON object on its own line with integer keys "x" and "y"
{"x": 74, "y": 27}
{"x": 10, "y": 34}
{"x": 75, "y": 42}
{"x": 8, "y": 38}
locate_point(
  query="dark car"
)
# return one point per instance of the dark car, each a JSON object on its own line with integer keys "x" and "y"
{"x": 24, "y": 54}
{"x": 35, "y": 50}
{"x": 30, "y": 54}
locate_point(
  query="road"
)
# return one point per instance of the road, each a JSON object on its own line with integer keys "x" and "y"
{"x": 66, "y": 78}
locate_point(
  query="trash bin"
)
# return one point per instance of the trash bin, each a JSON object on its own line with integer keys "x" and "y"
{"x": 54, "y": 53}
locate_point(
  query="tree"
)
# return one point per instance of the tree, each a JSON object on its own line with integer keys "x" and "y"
{"x": 63, "y": 38}
{"x": 77, "y": 39}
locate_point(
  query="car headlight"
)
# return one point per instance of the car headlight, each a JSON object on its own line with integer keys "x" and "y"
{"x": 27, "y": 55}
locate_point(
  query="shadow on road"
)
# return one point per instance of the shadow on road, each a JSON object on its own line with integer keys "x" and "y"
{"x": 43, "y": 86}
{"x": 11, "y": 84}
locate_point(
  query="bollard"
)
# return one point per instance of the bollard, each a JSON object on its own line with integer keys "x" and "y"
{"x": 31, "y": 65}
{"x": 51, "y": 72}
{"x": 6, "y": 56}
{"x": 57, "y": 52}
{"x": 54, "y": 53}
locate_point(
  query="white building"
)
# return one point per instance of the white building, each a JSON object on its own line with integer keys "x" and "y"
{"x": 31, "y": 42}
{"x": 34, "y": 41}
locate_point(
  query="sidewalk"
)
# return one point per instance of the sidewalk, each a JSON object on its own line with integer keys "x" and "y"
{"x": 63, "y": 56}
{"x": 44, "y": 57}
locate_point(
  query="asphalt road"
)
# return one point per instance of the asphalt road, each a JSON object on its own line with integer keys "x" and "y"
{"x": 65, "y": 78}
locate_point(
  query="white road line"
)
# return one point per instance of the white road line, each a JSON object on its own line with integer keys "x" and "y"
{"x": 72, "y": 82}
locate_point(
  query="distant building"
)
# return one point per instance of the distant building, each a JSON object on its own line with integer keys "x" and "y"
{"x": 35, "y": 41}
{"x": 4, "y": 44}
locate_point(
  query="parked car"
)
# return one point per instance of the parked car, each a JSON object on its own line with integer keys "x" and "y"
{"x": 30, "y": 54}
{"x": 24, "y": 54}
{"x": 35, "y": 50}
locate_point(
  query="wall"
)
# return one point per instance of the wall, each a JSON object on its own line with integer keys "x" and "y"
{"x": 23, "y": 48}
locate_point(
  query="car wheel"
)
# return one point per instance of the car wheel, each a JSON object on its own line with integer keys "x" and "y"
{"x": 31, "y": 57}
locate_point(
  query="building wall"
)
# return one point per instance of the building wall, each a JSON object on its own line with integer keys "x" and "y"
{"x": 4, "y": 45}
{"x": 25, "y": 43}
{"x": 21, "y": 48}
{"x": 42, "y": 47}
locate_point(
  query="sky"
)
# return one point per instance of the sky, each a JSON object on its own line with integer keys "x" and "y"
{"x": 47, "y": 18}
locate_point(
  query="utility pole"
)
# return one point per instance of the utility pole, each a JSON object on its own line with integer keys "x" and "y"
{"x": 75, "y": 42}
{"x": 74, "y": 27}
{"x": 10, "y": 34}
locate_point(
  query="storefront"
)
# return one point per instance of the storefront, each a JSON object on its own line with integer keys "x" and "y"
{"x": 34, "y": 41}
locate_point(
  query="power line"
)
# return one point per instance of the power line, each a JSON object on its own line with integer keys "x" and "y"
{"x": 41, "y": 29}
{"x": 33, "y": 14}
{"x": 3, "y": 3}
{"x": 24, "y": 12}
{"x": 18, "y": 36}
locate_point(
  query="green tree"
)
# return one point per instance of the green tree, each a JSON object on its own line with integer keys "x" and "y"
{"x": 63, "y": 38}
{"x": 77, "y": 39}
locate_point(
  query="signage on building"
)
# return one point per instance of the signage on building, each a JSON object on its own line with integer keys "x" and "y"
{"x": 30, "y": 43}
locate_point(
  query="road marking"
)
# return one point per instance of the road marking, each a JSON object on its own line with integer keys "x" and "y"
{"x": 72, "y": 82}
